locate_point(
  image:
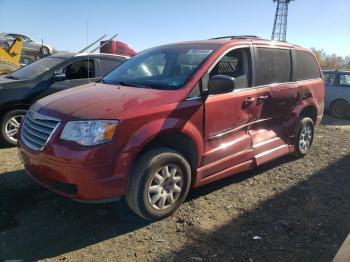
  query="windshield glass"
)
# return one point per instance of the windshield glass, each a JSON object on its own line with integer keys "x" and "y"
{"x": 167, "y": 67}
{"x": 37, "y": 68}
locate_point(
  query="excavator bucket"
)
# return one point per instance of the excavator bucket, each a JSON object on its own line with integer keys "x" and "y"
{"x": 9, "y": 59}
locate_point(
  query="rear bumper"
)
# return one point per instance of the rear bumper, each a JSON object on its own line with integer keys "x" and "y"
{"x": 82, "y": 180}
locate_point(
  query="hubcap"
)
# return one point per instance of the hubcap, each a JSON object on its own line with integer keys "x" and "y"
{"x": 11, "y": 127}
{"x": 340, "y": 109}
{"x": 305, "y": 138}
{"x": 165, "y": 187}
{"x": 45, "y": 51}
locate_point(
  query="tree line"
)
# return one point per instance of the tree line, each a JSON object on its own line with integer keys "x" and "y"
{"x": 331, "y": 61}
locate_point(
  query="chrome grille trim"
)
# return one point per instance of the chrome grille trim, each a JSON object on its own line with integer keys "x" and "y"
{"x": 37, "y": 129}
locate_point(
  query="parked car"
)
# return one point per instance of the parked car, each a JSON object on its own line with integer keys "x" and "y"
{"x": 173, "y": 117}
{"x": 26, "y": 60}
{"x": 46, "y": 76}
{"x": 337, "y": 99}
{"x": 29, "y": 44}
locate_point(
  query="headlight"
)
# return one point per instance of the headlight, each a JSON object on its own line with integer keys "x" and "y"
{"x": 88, "y": 133}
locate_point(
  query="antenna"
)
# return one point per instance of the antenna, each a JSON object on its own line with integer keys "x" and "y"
{"x": 279, "y": 31}
{"x": 109, "y": 40}
{"x": 86, "y": 48}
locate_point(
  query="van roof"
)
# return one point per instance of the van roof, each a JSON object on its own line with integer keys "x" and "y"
{"x": 243, "y": 38}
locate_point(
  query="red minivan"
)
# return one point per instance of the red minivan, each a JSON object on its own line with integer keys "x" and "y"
{"x": 172, "y": 118}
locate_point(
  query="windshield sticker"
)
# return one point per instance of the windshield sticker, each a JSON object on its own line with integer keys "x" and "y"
{"x": 199, "y": 52}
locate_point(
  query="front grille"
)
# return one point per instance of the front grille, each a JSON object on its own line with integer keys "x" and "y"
{"x": 37, "y": 130}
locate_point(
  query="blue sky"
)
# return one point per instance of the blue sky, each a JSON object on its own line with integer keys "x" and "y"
{"x": 146, "y": 23}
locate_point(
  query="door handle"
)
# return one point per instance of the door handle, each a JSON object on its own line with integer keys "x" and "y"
{"x": 264, "y": 97}
{"x": 248, "y": 101}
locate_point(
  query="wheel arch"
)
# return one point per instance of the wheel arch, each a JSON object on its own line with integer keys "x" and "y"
{"x": 178, "y": 141}
{"x": 4, "y": 110}
{"x": 309, "y": 111}
{"x": 170, "y": 132}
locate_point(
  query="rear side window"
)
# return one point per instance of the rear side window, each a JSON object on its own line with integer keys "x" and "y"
{"x": 330, "y": 79}
{"x": 107, "y": 65}
{"x": 306, "y": 66}
{"x": 344, "y": 79}
{"x": 273, "y": 66}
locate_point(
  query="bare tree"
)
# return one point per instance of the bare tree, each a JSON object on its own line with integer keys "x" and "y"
{"x": 332, "y": 61}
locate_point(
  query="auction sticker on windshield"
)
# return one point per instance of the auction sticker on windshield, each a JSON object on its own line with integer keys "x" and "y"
{"x": 199, "y": 52}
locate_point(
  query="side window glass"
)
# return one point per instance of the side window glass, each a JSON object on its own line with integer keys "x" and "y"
{"x": 80, "y": 69}
{"x": 306, "y": 66}
{"x": 107, "y": 65}
{"x": 11, "y": 37}
{"x": 26, "y": 39}
{"x": 235, "y": 64}
{"x": 344, "y": 80}
{"x": 273, "y": 66}
{"x": 264, "y": 71}
{"x": 329, "y": 79}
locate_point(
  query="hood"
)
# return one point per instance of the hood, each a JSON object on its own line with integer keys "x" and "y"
{"x": 8, "y": 82}
{"x": 103, "y": 101}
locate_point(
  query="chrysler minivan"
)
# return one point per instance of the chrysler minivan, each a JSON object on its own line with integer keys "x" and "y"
{"x": 172, "y": 118}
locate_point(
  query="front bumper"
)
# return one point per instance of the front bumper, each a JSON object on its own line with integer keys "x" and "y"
{"x": 85, "y": 175}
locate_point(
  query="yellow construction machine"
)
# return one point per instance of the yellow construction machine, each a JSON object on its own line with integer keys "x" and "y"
{"x": 9, "y": 59}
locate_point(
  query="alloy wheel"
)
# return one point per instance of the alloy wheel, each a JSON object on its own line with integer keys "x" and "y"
{"x": 305, "y": 138}
{"x": 12, "y": 126}
{"x": 165, "y": 187}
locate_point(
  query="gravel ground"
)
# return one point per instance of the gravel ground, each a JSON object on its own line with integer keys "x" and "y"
{"x": 287, "y": 210}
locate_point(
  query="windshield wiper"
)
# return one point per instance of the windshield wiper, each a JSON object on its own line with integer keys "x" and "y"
{"x": 130, "y": 84}
{"x": 121, "y": 83}
{"x": 11, "y": 77}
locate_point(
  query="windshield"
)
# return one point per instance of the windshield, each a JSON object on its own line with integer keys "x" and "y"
{"x": 37, "y": 68}
{"x": 167, "y": 67}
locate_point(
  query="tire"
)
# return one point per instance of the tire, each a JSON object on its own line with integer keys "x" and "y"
{"x": 44, "y": 51}
{"x": 9, "y": 126}
{"x": 340, "y": 109}
{"x": 304, "y": 135}
{"x": 7, "y": 68}
{"x": 158, "y": 174}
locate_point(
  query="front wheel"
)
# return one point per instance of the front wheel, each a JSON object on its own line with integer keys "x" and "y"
{"x": 159, "y": 184}
{"x": 44, "y": 50}
{"x": 304, "y": 135}
{"x": 10, "y": 125}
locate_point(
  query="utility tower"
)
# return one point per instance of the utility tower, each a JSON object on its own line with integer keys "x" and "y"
{"x": 279, "y": 31}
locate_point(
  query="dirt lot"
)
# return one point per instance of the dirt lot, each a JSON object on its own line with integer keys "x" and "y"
{"x": 288, "y": 210}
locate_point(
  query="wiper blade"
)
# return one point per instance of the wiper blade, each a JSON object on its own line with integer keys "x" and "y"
{"x": 11, "y": 77}
{"x": 121, "y": 83}
{"x": 131, "y": 84}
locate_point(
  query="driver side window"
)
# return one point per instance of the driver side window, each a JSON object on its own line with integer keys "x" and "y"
{"x": 236, "y": 64}
{"x": 80, "y": 70}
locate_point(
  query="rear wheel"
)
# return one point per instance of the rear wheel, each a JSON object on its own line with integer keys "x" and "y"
{"x": 10, "y": 125}
{"x": 340, "y": 109}
{"x": 44, "y": 50}
{"x": 159, "y": 184}
{"x": 304, "y": 135}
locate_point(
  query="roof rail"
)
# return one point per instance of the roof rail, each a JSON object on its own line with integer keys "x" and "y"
{"x": 236, "y": 37}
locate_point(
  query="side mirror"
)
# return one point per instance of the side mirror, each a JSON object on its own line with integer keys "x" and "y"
{"x": 59, "y": 77}
{"x": 220, "y": 84}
